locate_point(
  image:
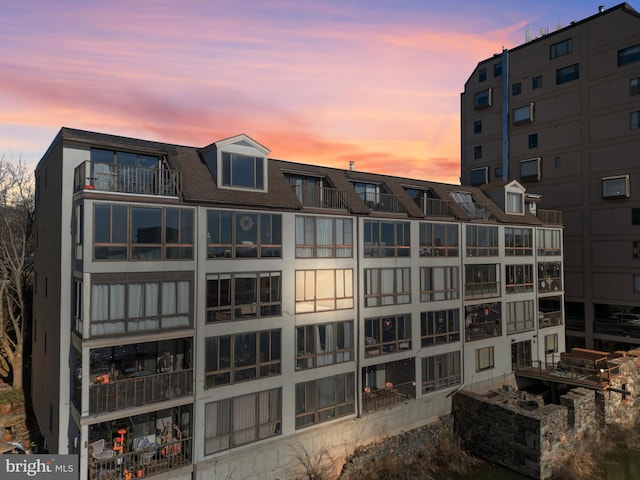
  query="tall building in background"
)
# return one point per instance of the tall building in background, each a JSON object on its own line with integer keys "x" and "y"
{"x": 561, "y": 114}
{"x": 199, "y": 312}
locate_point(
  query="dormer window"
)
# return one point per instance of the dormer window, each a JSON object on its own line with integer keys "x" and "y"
{"x": 242, "y": 171}
{"x": 514, "y": 198}
{"x": 368, "y": 192}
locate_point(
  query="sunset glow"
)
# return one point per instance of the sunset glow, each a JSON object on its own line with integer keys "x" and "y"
{"x": 322, "y": 82}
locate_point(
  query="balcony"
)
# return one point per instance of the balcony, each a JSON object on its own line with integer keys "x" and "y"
{"x": 481, "y": 290}
{"x": 480, "y": 329}
{"x": 170, "y": 453}
{"x": 549, "y": 319}
{"x": 384, "y": 203}
{"x": 550, "y": 217}
{"x": 478, "y": 211}
{"x": 320, "y": 197}
{"x": 108, "y": 177}
{"x": 378, "y": 398}
{"x": 140, "y": 389}
{"x": 435, "y": 207}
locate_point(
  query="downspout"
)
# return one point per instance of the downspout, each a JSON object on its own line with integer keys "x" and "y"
{"x": 505, "y": 114}
{"x": 359, "y": 387}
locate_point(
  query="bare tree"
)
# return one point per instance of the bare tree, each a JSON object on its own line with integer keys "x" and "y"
{"x": 17, "y": 214}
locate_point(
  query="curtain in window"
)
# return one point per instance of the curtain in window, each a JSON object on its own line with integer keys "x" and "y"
{"x": 217, "y": 418}
{"x": 269, "y": 412}
{"x": 304, "y": 236}
{"x": 387, "y": 290}
{"x": 326, "y": 290}
{"x": 324, "y": 228}
{"x": 244, "y": 419}
{"x": 324, "y": 344}
{"x": 305, "y": 291}
{"x": 136, "y": 300}
{"x": 99, "y": 302}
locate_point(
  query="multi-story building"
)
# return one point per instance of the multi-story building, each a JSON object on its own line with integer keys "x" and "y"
{"x": 561, "y": 114}
{"x": 199, "y": 312}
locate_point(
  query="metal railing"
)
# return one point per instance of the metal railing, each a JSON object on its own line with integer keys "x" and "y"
{"x": 159, "y": 458}
{"x": 551, "y": 217}
{"x": 139, "y": 390}
{"x": 109, "y": 177}
{"x": 481, "y": 290}
{"x": 384, "y": 203}
{"x": 320, "y": 197}
{"x": 550, "y": 319}
{"x": 479, "y": 330}
{"x": 435, "y": 207}
{"x": 377, "y": 398}
{"x": 478, "y": 211}
{"x": 565, "y": 370}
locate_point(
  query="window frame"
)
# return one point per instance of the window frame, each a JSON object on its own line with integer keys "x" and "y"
{"x": 226, "y": 240}
{"x": 307, "y": 227}
{"x": 483, "y": 364}
{"x": 523, "y": 114}
{"x": 634, "y": 120}
{"x": 267, "y": 357}
{"x": 446, "y": 276}
{"x": 229, "y": 180}
{"x": 628, "y": 55}
{"x": 309, "y": 338}
{"x": 516, "y": 89}
{"x": 621, "y": 186}
{"x": 483, "y": 99}
{"x": 549, "y": 242}
{"x": 440, "y": 327}
{"x": 439, "y": 239}
{"x": 481, "y": 240}
{"x": 515, "y": 248}
{"x": 376, "y": 291}
{"x": 536, "y": 82}
{"x": 525, "y": 166}
{"x": 568, "y": 74}
{"x": 634, "y": 86}
{"x": 552, "y": 341}
{"x": 487, "y": 287}
{"x": 312, "y": 290}
{"x": 441, "y": 371}
{"x": 519, "y": 278}
{"x": 376, "y": 234}
{"x": 484, "y": 171}
{"x": 520, "y": 316}
{"x": 265, "y": 300}
{"x": 387, "y": 334}
{"x": 308, "y": 400}
{"x": 560, "y": 49}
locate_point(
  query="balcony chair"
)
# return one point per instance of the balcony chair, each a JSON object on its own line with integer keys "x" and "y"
{"x": 99, "y": 452}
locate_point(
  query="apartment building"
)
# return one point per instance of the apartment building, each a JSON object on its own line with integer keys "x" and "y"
{"x": 200, "y": 312}
{"x": 560, "y": 113}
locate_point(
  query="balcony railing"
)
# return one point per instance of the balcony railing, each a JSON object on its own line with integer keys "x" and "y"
{"x": 139, "y": 390}
{"x": 435, "y": 207}
{"x": 481, "y": 290}
{"x": 384, "y": 203}
{"x": 550, "y": 319}
{"x": 153, "y": 460}
{"x": 320, "y": 197}
{"x": 377, "y": 398}
{"x": 551, "y": 217}
{"x": 109, "y": 177}
{"x": 483, "y": 329}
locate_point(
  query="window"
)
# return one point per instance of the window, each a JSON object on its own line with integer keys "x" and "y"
{"x": 482, "y": 74}
{"x": 369, "y": 193}
{"x": 78, "y": 230}
{"x": 439, "y": 327}
{"x": 549, "y": 242}
{"x": 615, "y": 187}
{"x": 483, "y": 99}
{"x": 237, "y": 421}
{"x": 312, "y": 191}
{"x": 516, "y": 89}
{"x": 386, "y": 239}
{"x": 383, "y": 335}
{"x": 567, "y": 74}
{"x": 518, "y": 241}
{"x": 549, "y": 277}
{"x": 321, "y": 237}
{"x": 323, "y": 290}
{"x": 477, "y": 126}
{"x": 324, "y": 344}
{"x": 237, "y": 358}
{"x": 242, "y": 171}
{"x": 635, "y": 216}
{"x": 523, "y": 114}
{"x": 497, "y": 173}
{"x": 477, "y": 152}
{"x": 636, "y": 283}
{"x": 142, "y": 233}
{"x": 484, "y": 359}
{"x": 519, "y": 278}
{"x": 497, "y": 69}
{"x": 520, "y": 316}
{"x": 536, "y": 82}
{"x": 243, "y": 234}
{"x": 634, "y": 86}
{"x": 439, "y": 283}
{"x": 530, "y": 170}
{"x": 628, "y": 55}
{"x": 238, "y": 296}
{"x": 515, "y": 203}
{"x": 387, "y": 286}
{"x": 634, "y": 120}
{"x": 138, "y": 303}
{"x": 533, "y": 140}
{"x": 560, "y": 49}
{"x": 551, "y": 343}
{"x": 324, "y": 399}
{"x": 441, "y": 371}
{"x": 481, "y": 281}
{"x": 438, "y": 240}
{"x": 430, "y": 203}
{"x": 482, "y": 240}
{"x": 479, "y": 176}
{"x": 77, "y": 305}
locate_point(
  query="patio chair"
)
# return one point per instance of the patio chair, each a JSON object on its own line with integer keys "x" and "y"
{"x": 146, "y": 448}
{"x": 99, "y": 452}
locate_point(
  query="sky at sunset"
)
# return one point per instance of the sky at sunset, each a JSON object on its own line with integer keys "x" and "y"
{"x": 319, "y": 81}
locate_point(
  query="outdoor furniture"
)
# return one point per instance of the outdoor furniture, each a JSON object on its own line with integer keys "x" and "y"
{"x": 99, "y": 452}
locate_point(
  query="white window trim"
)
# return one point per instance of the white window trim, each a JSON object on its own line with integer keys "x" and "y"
{"x": 616, "y": 177}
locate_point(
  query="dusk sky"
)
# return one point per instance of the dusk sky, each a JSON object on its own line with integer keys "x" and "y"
{"x": 321, "y": 82}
